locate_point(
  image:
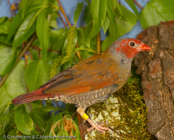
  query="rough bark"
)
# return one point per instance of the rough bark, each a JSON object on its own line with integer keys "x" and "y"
{"x": 157, "y": 70}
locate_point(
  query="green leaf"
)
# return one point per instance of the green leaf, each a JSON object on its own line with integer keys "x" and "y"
{"x": 36, "y": 74}
{"x": 25, "y": 30}
{"x": 44, "y": 109}
{"x": 98, "y": 10}
{"x": 2, "y": 19}
{"x": 77, "y": 132}
{"x": 128, "y": 21}
{"x": 112, "y": 29}
{"x": 39, "y": 2}
{"x": 6, "y": 118}
{"x": 24, "y": 7}
{"x": 62, "y": 131}
{"x": 53, "y": 21}
{"x": 3, "y": 39}
{"x": 132, "y": 5}
{"x": 8, "y": 56}
{"x": 157, "y": 11}
{"x": 14, "y": 85}
{"x": 53, "y": 119}
{"x": 88, "y": 29}
{"x": 106, "y": 24}
{"x": 17, "y": 20}
{"x": 42, "y": 30}
{"x": 23, "y": 121}
{"x": 38, "y": 120}
{"x": 4, "y": 25}
{"x": 87, "y": 14}
{"x": 114, "y": 4}
{"x": 70, "y": 108}
{"x": 77, "y": 12}
{"x": 57, "y": 38}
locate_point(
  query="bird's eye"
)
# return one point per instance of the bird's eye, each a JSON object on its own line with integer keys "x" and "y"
{"x": 132, "y": 44}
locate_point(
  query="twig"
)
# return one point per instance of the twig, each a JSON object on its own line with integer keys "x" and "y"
{"x": 39, "y": 55}
{"x": 62, "y": 19}
{"x": 25, "y": 57}
{"x": 19, "y": 57}
{"x": 63, "y": 12}
{"x": 74, "y": 115}
{"x": 138, "y": 4}
{"x": 98, "y": 44}
{"x": 31, "y": 57}
{"x": 10, "y": 8}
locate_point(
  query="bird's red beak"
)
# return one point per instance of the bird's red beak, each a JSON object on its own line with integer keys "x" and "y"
{"x": 143, "y": 47}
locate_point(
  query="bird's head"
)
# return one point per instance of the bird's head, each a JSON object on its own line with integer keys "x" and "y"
{"x": 130, "y": 47}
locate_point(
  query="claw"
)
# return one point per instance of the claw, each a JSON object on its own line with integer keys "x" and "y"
{"x": 97, "y": 127}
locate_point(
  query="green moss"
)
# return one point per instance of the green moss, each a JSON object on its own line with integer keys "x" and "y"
{"x": 124, "y": 112}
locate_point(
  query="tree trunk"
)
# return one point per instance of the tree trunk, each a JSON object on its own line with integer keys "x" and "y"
{"x": 157, "y": 70}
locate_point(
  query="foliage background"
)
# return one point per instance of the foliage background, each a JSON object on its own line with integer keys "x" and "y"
{"x": 45, "y": 50}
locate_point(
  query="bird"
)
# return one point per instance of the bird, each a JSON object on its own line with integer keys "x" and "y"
{"x": 90, "y": 81}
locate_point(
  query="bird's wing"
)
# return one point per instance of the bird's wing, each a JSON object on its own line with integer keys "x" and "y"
{"x": 88, "y": 75}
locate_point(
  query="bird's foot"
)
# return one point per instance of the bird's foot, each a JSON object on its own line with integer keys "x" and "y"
{"x": 97, "y": 127}
{"x": 100, "y": 128}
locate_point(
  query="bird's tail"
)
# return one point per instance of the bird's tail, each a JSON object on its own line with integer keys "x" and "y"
{"x": 29, "y": 97}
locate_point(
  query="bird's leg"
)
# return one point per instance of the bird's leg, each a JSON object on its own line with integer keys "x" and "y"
{"x": 100, "y": 128}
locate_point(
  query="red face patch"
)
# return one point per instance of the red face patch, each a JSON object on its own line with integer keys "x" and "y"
{"x": 125, "y": 48}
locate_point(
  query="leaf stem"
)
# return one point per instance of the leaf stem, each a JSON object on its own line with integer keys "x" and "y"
{"x": 10, "y": 8}
{"x": 62, "y": 19}
{"x": 63, "y": 12}
{"x": 98, "y": 43}
{"x": 138, "y": 4}
{"x": 78, "y": 53}
{"x": 19, "y": 57}
{"x": 31, "y": 57}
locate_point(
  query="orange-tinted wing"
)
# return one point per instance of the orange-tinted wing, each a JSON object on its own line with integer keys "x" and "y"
{"x": 91, "y": 74}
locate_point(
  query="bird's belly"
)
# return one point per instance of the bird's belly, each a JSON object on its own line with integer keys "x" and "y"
{"x": 87, "y": 99}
